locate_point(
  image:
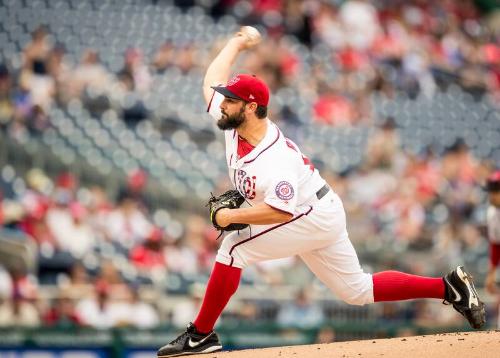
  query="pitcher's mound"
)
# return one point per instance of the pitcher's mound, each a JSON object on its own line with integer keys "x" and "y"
{"x": 485, "y": 344}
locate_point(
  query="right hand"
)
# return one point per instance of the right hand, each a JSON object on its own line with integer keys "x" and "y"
{"x": 239, "y": 40}
{"x": 243, "y": 40}
{"x": 490, "y": 283}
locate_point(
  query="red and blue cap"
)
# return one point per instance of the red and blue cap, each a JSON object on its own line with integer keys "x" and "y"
{"x": 247, "y": 88}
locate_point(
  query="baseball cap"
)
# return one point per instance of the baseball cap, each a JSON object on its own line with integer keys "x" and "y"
{"x": 247, "y": 88}
{"x": 493, "y": 181}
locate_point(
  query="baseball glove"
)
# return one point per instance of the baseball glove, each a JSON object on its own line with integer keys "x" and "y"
{"x": 231, "y": 199}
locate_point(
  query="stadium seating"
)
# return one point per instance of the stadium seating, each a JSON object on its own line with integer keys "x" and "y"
{"x": 181, "y": 165}
{"x": 178, "y": 145}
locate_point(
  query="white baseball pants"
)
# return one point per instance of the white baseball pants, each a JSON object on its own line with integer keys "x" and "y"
{"x": 318, "y": 234}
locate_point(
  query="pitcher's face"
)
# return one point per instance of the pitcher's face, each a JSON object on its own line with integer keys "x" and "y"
{"x": 233, "y": 113}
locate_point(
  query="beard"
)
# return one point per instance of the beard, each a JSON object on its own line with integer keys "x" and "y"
{"x": 231, "y": 122}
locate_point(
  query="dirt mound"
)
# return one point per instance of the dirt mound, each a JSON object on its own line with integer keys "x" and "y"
{"x": 484, "y": 344}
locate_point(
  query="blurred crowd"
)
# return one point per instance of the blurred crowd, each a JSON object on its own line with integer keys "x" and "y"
{"x": 358, "y": 47}
{"x": 98, "y": 251}
{"x": 72, "y": 226}
{"x": 95, "y": 248}
{"x": 349, "y": 50}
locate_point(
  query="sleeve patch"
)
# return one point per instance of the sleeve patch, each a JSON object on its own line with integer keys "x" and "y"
{"x": 284, "y": 190}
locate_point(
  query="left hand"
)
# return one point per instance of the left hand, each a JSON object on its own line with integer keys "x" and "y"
{"x": 222, "y": 217}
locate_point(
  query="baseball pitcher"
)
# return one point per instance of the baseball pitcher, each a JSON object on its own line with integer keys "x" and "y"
{"x": 292, "y": 211}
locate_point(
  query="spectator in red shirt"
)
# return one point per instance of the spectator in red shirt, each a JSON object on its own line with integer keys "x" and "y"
{"x": 351, "y": 60}
{"x": 149, "y": 254}
{"x": 333, "y": 108}
{"x": 62, "y": 313}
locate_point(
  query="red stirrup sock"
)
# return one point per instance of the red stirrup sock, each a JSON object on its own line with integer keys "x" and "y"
{"x": 222, "y": 284}
{"x": 395, "y": 286}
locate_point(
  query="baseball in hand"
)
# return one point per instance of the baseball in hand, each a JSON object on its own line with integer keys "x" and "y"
{"x": 252, "y": 35}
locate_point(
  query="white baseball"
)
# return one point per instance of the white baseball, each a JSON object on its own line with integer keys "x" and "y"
{"x": 252, "y": 34}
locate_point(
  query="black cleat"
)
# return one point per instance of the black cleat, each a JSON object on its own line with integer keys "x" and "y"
{"x": 461, "y": 293}
{"x": 191, "y": 342}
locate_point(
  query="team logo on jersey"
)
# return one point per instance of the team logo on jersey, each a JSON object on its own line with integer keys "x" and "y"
{"x": 233, "y": 81}
{"x": 246, "y": 184}
{"x": 284, "y": 190}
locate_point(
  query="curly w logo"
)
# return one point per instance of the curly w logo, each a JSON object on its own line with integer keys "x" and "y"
{"x": 233, "y": 81}
{"x": 246, "y": 184}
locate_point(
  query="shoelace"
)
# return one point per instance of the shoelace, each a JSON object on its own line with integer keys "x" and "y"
{"x": 178, "y": 339}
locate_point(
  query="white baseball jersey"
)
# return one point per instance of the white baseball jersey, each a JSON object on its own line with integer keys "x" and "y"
{"x": 276, "y": 172}
{"x": 291, "y": 184}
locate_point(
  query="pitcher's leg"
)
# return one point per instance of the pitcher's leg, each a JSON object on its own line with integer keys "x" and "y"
{"x": 222, "y": 284}
{"x": 238, "y": 250}
{"x": 337, "y": 266}
{"x": 270, "y": 242}
{"x": 396, "y": 286}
